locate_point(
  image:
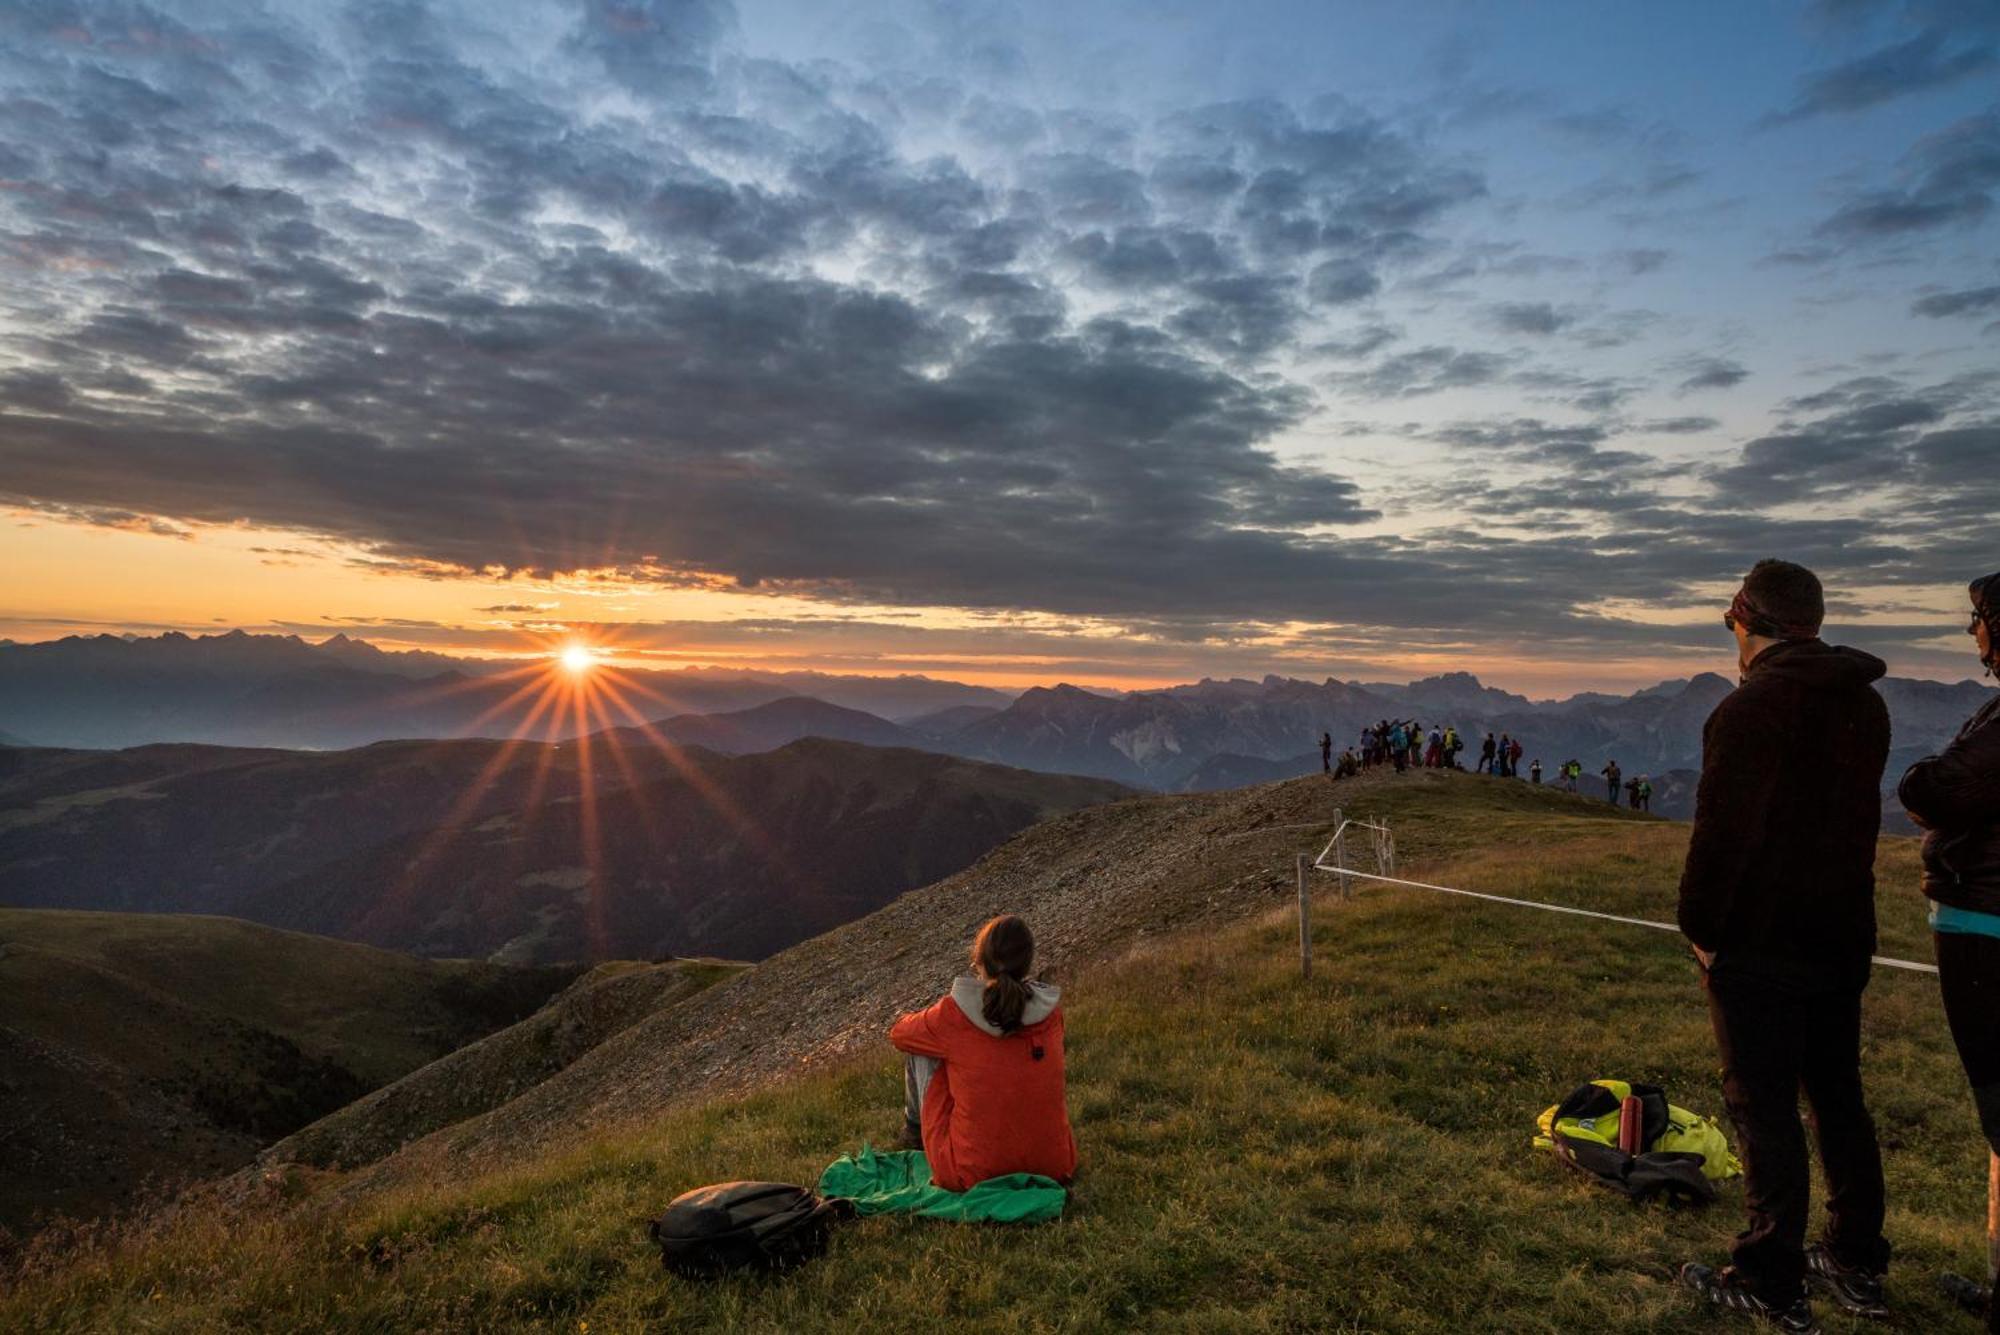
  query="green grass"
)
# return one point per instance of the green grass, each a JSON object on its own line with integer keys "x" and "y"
{"x": 1259, "y": 1153}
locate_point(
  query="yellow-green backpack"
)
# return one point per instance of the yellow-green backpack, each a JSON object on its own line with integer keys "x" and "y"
{"x": 1682, "y": 1154}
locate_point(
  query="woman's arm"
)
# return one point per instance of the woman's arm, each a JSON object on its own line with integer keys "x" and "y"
{"x": 1960, "y": 787}
{"x": 920, "y": 1032}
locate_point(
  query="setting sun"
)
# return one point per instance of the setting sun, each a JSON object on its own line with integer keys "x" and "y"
{"x": 577, "y": 658}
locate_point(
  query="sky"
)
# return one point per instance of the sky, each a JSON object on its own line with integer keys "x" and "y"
{"x": 1120, "y": 343}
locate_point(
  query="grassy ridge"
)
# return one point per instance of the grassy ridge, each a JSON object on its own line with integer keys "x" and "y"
{"x": 1259, "y": 1154}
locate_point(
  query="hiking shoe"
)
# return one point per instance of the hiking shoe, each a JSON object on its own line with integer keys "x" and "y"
{"x": 1858, "y": 1292}
{"x": 1969, "y": 1294}
{"x": 1726, "y": 1289}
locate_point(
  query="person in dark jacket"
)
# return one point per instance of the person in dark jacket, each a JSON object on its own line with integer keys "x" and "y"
{"x": 1326, "y": 753}
{"x": 1955, "y": 797}
{"x": 1778, "y": 899}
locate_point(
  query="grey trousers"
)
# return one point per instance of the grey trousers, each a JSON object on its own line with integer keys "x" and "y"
{"x": 917, "y": 1072}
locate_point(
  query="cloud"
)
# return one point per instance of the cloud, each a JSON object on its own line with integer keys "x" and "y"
{"x": 1529, "y": 317}
{"x": 1920, "y": 445}
{"x": 1712, "y": 373}
{"x": 1421, "y": 371}
{"x": 1949, "y": 180}
{"x": 1931, "y": 59}
{"x": 1969, "y": 301}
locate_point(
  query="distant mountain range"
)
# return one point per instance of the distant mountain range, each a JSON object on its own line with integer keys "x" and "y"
{"x": 238, "y": 689}
{"x": 534, "y": 853}
{"x": 283, "y": 691}
{"x": 1221, "y": 734}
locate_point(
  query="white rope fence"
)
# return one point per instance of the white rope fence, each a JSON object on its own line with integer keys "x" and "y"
{"x": 1384, "y": 847}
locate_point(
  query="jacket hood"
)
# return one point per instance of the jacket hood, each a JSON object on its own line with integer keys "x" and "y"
{"x": 1817, "y": 663}
{"x": 969, "y": 992}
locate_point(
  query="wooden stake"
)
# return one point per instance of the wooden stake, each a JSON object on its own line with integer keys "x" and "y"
{"x": 1305, "y": 923}
{"x": 1340, "y": 848}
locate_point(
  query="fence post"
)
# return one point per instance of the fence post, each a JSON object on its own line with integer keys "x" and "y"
{"x": 1305, "y": 922}
{"x": 1340, "y": 852}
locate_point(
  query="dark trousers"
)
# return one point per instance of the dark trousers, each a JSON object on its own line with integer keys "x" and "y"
{"x": 1969, "y": 975}
{"x": 1781, "y": 1031}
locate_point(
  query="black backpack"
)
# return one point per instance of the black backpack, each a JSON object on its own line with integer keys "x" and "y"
{"x": 744, "y": 1225}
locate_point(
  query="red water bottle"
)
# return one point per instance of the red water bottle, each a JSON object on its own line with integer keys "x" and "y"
{"x": 1632, "y": 1125}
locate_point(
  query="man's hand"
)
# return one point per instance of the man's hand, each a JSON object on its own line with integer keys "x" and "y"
{"x": 1707, "y": 957}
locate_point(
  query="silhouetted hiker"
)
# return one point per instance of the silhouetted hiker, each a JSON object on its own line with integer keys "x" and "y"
{"x": 1535, "y": 771}
{"x": 1434, "y": 752}
{"x": 1500, "y": 755}
{"x": 1632, "y": 793}
{"x": 1399, "y": 747}
{"x": 1349, "y": 766}
{"x": 1778, "y": 899}
{"x": 1453, "y": 744}
{"x": 1955, "y": 796}
{"x": 983, "y": 1083}
{"x": 1644, "y": 794}
{"x": 1326, "y": 753}
{"x": 1612, "y": 774}
{"x": 1416, "y": 736}
{"x": 1514, "y": 758}
{"x": 1486, "y": 755}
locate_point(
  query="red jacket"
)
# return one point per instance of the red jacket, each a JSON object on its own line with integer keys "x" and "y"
{"x": 995, "y": 1105}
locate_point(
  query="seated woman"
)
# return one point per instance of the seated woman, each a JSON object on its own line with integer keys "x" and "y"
{"x": 984, "y": 1078}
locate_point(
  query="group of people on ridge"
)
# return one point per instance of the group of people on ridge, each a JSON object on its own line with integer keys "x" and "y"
{"x": 1777, "y": 899}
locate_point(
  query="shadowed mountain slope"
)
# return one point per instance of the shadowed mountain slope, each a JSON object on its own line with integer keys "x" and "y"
{"x": 162, "y": 1046}
{"x": 769, "y": 726}
{"x": 618, "y": 848}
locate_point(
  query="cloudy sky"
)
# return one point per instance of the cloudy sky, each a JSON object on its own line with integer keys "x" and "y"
{"x": 1110, "y": 342}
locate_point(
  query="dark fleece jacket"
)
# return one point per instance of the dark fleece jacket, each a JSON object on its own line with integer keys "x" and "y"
{"x": 1781, "y": 865}
{"x": 1955, "y": 796}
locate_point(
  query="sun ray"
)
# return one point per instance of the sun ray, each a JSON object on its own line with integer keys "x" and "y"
{"x": 588, "y": 832}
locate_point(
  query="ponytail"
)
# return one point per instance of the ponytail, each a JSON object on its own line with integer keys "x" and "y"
{"x": 1003, "y": 954}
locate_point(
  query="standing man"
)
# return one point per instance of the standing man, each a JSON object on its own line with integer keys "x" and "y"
{"x": 1778, "y": 898}
{"x": 1612, "y": 774}
{"x": 1535, "y": 771}
{"x": 1326, "y": 753}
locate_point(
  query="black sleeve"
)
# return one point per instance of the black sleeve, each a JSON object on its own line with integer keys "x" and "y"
{"x": 1959, "y": 787}
{"x": 1731, "y": 811}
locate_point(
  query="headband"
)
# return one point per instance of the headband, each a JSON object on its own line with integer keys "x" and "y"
{"x": 1755, "y": 617}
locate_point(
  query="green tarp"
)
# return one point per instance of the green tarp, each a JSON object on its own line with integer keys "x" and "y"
{"x": 900, "y": 1183}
